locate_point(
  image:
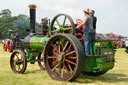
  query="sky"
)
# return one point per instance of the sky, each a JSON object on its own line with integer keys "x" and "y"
{"x": 112, "y": 15}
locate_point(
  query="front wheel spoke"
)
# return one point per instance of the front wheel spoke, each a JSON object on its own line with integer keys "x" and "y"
{"x": 19, "y": 68}
{"x": 55, "y": 67}
{"x": 69, "y": 53}
{"x": 17, "y": 56}
{"x": 65, "y": 46}
{"x": 70, "y": 62}
{"x": 22, "y": 58}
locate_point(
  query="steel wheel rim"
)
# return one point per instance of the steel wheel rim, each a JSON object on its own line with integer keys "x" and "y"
{"x": 64, "y": 27}
{"x": 61, "y": 68}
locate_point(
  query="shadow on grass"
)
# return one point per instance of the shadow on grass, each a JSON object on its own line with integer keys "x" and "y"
{"x": 33, "y": 71}
{"x": 108, "y": 77}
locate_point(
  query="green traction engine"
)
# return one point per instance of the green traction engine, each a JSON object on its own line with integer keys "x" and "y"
{"x": 61, "y": 53}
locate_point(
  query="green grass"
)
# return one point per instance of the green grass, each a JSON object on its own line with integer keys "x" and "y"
{"x": 34, "y": 76}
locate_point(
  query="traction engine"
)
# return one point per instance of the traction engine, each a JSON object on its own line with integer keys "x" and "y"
{"x": 61, "y": 51}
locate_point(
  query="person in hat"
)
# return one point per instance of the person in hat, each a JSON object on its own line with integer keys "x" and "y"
{"x": 87, "y": 26}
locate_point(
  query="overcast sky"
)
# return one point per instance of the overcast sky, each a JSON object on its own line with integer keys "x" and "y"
{"x": 112, "y": 15}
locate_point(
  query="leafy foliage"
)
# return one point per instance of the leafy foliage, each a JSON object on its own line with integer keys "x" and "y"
{"x": 13, "y": 24}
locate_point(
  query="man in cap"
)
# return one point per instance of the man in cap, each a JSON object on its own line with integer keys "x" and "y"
{"x": 92, "y": 13}
{"x": 88, "y": 31}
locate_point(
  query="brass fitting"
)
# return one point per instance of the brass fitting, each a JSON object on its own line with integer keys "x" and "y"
{"x": 32, "y": 6}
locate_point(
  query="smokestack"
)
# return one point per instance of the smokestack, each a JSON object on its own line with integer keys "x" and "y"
{"x": 32, "y": 8}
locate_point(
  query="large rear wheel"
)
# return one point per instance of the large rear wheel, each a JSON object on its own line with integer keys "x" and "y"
{"x": 63, "y": 57}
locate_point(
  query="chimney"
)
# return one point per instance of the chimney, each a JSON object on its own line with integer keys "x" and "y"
{"x": 32, "y": 8}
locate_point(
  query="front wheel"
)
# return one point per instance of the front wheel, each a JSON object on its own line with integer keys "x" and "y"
{"x": 18, "y": 61}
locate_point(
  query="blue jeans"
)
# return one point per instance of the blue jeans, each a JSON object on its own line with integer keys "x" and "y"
{"x": 87, "y": 43}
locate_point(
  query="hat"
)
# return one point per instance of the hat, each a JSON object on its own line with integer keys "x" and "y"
{"x": 87, "y": 10}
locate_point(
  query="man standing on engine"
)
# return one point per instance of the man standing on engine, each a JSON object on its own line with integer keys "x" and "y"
{"x": 92, "y": 13}
{"x": 88, "y": 31}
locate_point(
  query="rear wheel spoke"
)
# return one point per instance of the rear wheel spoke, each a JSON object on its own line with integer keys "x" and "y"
{"x": 72, "y": 57}
{"x": 55, "y": 47}
{"x": 52, "y": 57}
{"x": 69, "y": 53}
{"x": 70, "y": 62}
{"x": 70, "y": 68}
{"x": 62, "y": 74}
{"x": 59, "y": 68}
{"x": 54, "y": 61}
{"x": 59, "y": 45}
{"x": 55, "y": 67}
{"x": 56, "y": 54}
{"x": 66, "y": 69}
{"x": 69, "y": 47}
{"x": 62, "y": 43}
{"x": 65, "y": 46}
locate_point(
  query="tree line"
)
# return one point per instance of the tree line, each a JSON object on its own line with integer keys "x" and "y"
{"x": 10, "y": 25}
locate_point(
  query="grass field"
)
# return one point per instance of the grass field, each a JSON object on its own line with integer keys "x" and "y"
{"x": 34, "y": 76}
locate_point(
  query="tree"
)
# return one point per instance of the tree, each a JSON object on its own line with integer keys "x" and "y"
{"x": 5, "y": 23}
{"x": 5, "y": 13}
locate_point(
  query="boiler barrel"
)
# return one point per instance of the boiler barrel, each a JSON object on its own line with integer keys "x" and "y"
{"x": 35, "y": 43}
{"x": 38, "y": 43}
